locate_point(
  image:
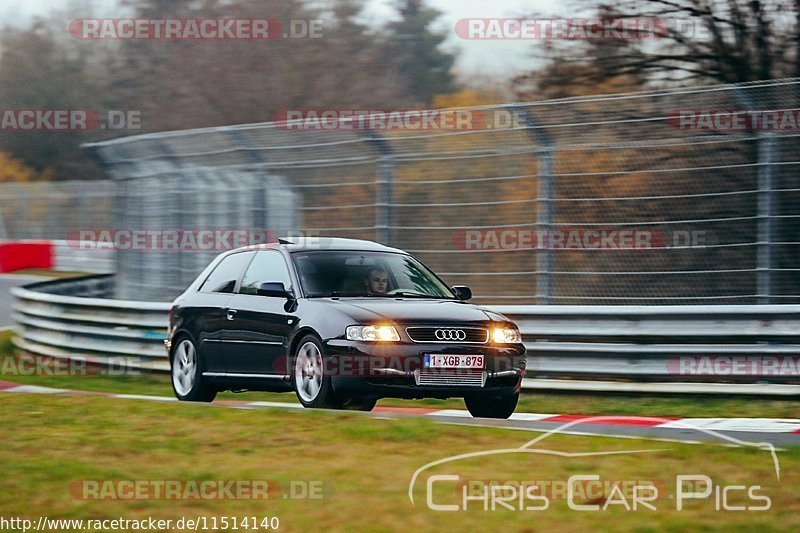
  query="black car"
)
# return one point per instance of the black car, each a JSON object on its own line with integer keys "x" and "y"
{"x": 343, "y": 323}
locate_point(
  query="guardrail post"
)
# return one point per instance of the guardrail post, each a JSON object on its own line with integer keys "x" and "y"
{"x": 545, "y": 207}
{"x": 384, "y": 195}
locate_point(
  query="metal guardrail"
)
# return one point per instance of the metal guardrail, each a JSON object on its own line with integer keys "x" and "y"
{"x": 569, "y": 347}
{"x": 74, "y": 319}
{"x": 646, "y": 343}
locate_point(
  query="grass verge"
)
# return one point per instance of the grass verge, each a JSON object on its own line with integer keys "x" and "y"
{"x": 56, "y": 443}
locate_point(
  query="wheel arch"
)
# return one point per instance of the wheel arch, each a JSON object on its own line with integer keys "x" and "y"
{"x": 177, "y": 337}
{"x": 300, "y": 335}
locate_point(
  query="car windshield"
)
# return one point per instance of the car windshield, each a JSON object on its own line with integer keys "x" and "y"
{"x": 378, "y": 274}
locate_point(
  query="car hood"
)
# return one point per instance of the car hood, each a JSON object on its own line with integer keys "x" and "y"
{"x": 414, "y": 310}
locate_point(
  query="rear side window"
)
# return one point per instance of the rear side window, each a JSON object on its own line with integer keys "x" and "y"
{"x": 267, "y": 266}
{"x": 226, "y": 274}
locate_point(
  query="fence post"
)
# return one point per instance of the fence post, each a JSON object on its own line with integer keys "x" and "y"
{"x": 3, "y": 231}
{"x": 545, "y": 206}
{"x": 259, "y": 162}
{"x": 103, "y": 155}
{"x": 384, "y": 195}
{"x": 766, "y": 160}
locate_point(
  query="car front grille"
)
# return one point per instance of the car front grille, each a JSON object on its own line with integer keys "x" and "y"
{"x": 451, "y": 335}
{"x": 450, "y": 377}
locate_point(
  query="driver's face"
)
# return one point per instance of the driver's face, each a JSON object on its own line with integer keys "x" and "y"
{"x": 377, "y": 282}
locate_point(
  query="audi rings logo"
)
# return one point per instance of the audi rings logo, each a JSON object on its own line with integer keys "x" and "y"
{"x": 451, "y": 334}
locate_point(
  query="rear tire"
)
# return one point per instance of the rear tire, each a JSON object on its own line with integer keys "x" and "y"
{"x": 492, "y": 406}
{"x": 188, "y": 382}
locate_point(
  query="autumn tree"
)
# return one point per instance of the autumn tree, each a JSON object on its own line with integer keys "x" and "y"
{"x": 414, "y": 50}
{"x": 39, "y": 70}
{"x": 706, "y": 41}
{"x": 14, "y": 170}
{"x": 180, "y": 84}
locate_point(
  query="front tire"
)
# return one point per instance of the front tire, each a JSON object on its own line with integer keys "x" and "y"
{"x": 492, "y": 406}
{"x": 188, "y": 382}
{"x": 311, "y": 383}
{"x": 366, "y": 403}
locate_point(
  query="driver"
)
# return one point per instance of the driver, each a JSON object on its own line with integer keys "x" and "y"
{"x": 377, "y": 281}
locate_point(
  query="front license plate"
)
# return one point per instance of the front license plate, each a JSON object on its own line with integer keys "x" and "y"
{"x": 453, "y": 361}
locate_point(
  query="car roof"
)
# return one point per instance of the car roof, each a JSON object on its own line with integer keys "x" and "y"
{"x": 294, "y": 244}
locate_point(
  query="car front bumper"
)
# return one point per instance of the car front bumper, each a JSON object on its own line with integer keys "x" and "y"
{"x": 397, "y": 369}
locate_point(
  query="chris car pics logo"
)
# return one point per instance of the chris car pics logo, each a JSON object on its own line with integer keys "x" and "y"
{"x": 449, "y": 491}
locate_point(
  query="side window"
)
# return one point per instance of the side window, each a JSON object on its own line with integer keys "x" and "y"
{"x": 267, "y": 266}
{"x": 224, "y": 277}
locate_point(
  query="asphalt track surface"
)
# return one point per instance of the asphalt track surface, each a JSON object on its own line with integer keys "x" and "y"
{"x": 676, "y": 431}
{"x": 730, "y": 431}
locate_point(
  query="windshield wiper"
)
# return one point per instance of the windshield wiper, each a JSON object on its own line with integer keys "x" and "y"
{"x": 416, "y": 295}
{"x": 337, "y": 294}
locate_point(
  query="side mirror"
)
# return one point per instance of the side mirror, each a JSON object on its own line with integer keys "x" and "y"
{"x": 273, "y": 288}
{"x": 462, "y": 292}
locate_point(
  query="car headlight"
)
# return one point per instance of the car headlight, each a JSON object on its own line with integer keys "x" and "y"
{"x": 372, "y": 333}
{"x": 506, "y": 335}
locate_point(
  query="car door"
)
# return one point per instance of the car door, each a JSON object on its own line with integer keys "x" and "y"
{"x": 260, "y": 330}
{"x": 212, "y": 309}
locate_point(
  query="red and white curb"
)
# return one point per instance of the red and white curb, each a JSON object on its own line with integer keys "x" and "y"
{"x": 56, "y": 255}
{"x": 753, "y": 425}
{"x": 747, "y": 425}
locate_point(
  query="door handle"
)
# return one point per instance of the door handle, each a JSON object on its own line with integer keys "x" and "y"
{"x": 231, "y": 314}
